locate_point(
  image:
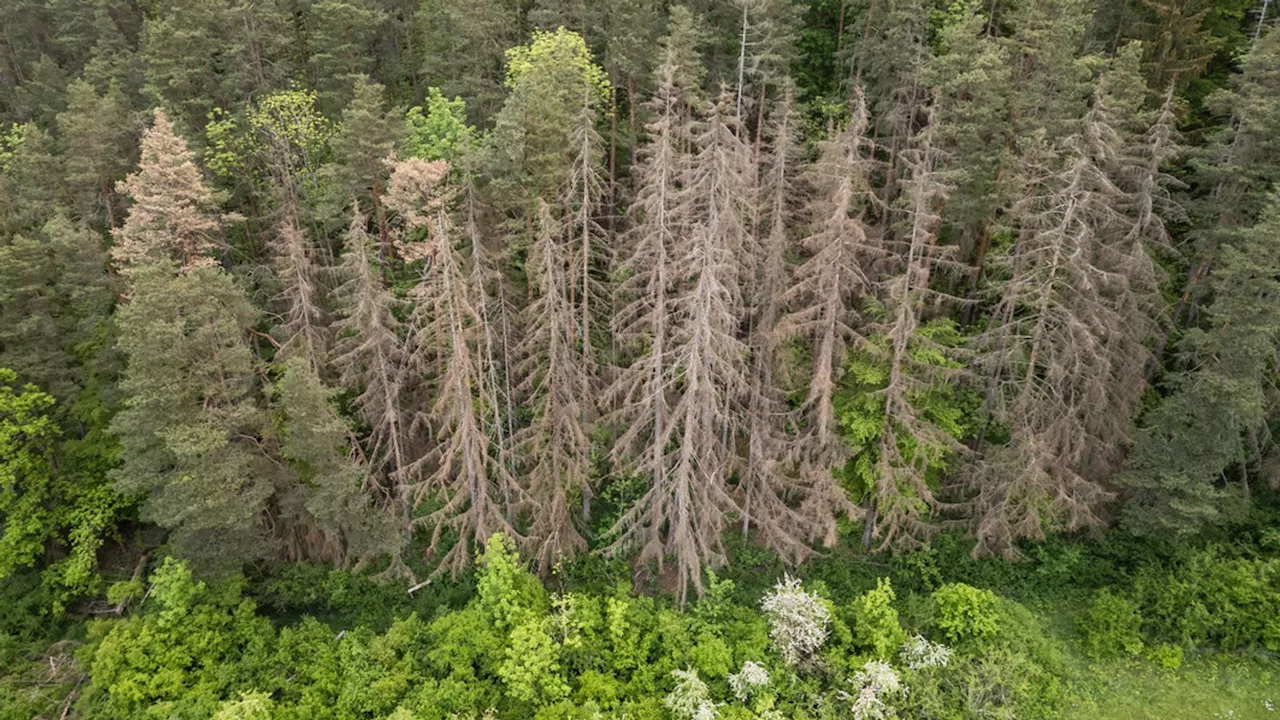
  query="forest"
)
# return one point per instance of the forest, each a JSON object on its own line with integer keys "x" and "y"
{"x": 586, "y": 359}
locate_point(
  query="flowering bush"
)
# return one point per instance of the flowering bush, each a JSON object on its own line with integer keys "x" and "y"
{"x": 690, "y": 699}
{"x": 918, "y": 653}
{"x": 752, "y": 676}
{"x": 876, "y": 683}
{"x": 797, "y": 620}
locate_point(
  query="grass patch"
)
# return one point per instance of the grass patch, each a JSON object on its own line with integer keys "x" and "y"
{"x": 1203, "y": 689}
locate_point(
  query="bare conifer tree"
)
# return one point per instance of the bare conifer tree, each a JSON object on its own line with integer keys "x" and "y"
{"x": 642, "y": 324}
{"x": 459, "y": 467}
{"x": 368, "y": 351}
{"x": 765, "y": 485}
{"x": 823, "y": 305}
{"x": 555, "y": 446}
{"x": 1046, "y": 353}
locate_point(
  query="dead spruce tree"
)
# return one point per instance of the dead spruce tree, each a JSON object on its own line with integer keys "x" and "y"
{"x": 765, "y": 484}
{"x": 681, "y": 324}
{"x": 368, "y": 352}
{"x": 554, "y": 447}
{"x": 1046, "y": 354}
{"x": 456, "y": 468}
{"x": 289, "y": 134}
{"x": 823, "y": 302}
{"x": 912, "y": 438}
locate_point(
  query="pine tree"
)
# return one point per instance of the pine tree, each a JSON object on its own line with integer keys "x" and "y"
{"x": 362, "y": 143}
{"x": 463, "y": 49}
{"x": 170, "y": 215}
{"x": 30, "y": 179}
{"x": 202, "y": 54}
{"x": 322, "y": 509}
{"x": 189, "y": 429}
{"x": 341, "y": 35}
{"x": 972, "y": 76}
{"x": 55, "y": 299}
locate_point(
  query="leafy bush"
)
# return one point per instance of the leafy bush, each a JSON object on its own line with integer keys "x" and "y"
{"x": 1112, "y": 624}
{"x": 1207, "y": 598}
{"x": 875, "y": 626}
{"x": 966, "y": 615}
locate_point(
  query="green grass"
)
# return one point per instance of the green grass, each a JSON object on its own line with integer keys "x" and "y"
{"x": 1203, "y": 689}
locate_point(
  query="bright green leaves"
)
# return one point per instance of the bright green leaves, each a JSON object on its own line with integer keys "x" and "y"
{"x": 562, "y": 53}
{"x": 439, "y": 131}
{"x": 44, "y": 507}
{"x": 288, "y": 120}
{"x": 967, "y": 615}
{"x": 935, "y": 400}
{"x": 876, "y": 627}
{"x": 27, "y": 437}
{"x": 10, "y": 143}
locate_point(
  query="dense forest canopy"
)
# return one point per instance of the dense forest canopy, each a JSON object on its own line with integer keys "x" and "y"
{"x": 374, "y": 284}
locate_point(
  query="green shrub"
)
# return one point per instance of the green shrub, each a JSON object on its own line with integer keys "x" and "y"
{"x": 1112, "y": 624}
{"x": 1166, "y": 656}
{"x": 875, "y": 622}
{"x": 1207, "y": 599}
{"x": 966, "y": 615}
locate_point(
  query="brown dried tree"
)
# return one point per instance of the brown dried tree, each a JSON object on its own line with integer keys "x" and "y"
{"x": 368, "y": 352}
{"x": 554, "y": 447}
{"x": 1047, "y": 354}
{"x": 459, "y": 467}
{"x": 823, "y": 306}
{"x": 765, "y": 486}
{"x": 172, "y": 212}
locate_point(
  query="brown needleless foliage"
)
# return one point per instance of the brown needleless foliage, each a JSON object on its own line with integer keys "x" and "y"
{"x": 172, "y": 212}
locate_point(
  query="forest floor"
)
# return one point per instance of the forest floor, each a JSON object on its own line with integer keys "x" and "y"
{"x": 1203, "y": 689}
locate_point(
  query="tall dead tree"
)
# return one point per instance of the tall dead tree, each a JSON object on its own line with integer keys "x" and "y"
{"x": 368, "y": 352}
{"x": 554, "y": 448}
{"x": 766, "y": 486}
{"x": 823, "y": 304}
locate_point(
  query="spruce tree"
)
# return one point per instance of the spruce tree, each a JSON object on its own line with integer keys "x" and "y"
{"x": 472, "y": 491}
{"x": 823, "y": 304}
{"x": 1190, "y": 466}
{"x": 368, "y": 352}
{"x": 324, "y": 514}
{"x": 554, "y": 447}
{"x": 766, "y": 487}
{"x": 170, "y": 213}
{"x": 96, "y": 133}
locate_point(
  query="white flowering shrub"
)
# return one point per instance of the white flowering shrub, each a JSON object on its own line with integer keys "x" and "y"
{"x": 875, "y": 685}
{"x": 690, "y": 699}
{"x": 797, "y": 620}
{"x": 918, "y": 654}
{"x": 748, "y": 679}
